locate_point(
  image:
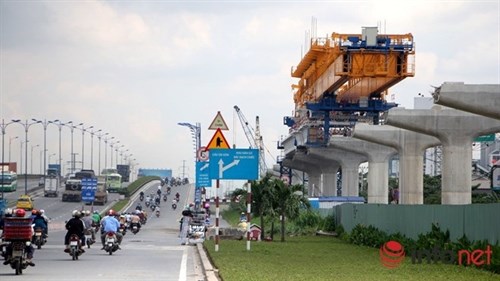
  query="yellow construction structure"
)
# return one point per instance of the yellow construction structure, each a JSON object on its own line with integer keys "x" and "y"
{"x": 353, "y": 67}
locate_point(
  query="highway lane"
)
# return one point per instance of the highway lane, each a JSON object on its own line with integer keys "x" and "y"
{"x": 154, "y": 253}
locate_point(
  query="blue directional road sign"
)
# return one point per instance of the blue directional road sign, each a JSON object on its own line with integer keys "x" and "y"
{"x": 235, "y": 164}
{"x": 203, "y": 174}
{"x": 89, "y": 186}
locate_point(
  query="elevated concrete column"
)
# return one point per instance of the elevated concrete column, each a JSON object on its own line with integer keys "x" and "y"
{"x": 378, "y": 165}
{"x": 349, "y": 162}
{"x": 456, "y": 131}
{"x": 475, "y": 98}
{"x": 315, "y": 187}
{"x": 301, "y": 163}
{"x": 329, "y": 171}
{"x": 411, "y": 147}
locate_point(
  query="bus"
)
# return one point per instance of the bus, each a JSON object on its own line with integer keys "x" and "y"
{"x": 8, "y": 181}
{"x": 113, "y": 182}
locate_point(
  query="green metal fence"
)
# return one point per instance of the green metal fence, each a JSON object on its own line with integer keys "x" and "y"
{"x": 476, "y": 221}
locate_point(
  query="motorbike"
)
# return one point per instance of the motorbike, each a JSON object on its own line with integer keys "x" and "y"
{"x": 75, "y": 246}
{"x": 168, "y": 191}
{"x": 174, "y": 206}
{"x": 134, "y": 227}
{"x": 111, "y": 243}
{"x": 152, "y": 207}
{"x": 143, "y": 220}
{"x": 165, "y": 198}
{"x": 38, "y": 238}
{"x": 123, "y": 229}
{"x": 157, "y": 213}
{"x": 141, "y": 197}
{"x": 148, "y": 203}
{"x": 88, "y": 238}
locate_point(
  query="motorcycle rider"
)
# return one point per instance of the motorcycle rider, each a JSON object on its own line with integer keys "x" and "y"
{"x": 135, "y": 219}
{"x": 87, "y": 223}
{"x": 20, "y": 213}
{"x": 40, "y": 221}
{"x": 42, "y": 213}
{"x": 74, "y": 226}
{"x": 138, "y": 207}
{"x": 110, "y": 224}
{"x": 157, "y": 211}
{"x": 174, "y": 204}
{"x": 177, "y": 196}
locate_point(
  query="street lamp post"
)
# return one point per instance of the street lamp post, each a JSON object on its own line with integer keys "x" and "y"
{"x": 106, "y": 151}
{"x": 83, "y": 142}
{"x": 116, "y": 149}
{"x": 72, "y": 156}
{"x": 31, "y": 166}
{"x": 59, "y": 125}
{"x": 3, "y": 127}
{"x": 92, "y": 133}
{"x": 99, "y": 136}
{"x": 10, "y": 143}
{"x": 44, "y": 123}
{"x": 50, "y": 156}
{"x": 111, "y": 153}
{"x": 196, "y": 135}
{"x": 26, "y": 126}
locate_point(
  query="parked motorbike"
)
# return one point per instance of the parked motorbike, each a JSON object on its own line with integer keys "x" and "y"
{"x": 38, "y": 238}
{"x": 111, "y": 243}
{"x": 75, "y": 246}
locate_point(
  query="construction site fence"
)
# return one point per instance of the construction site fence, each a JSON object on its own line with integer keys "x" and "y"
{"x": 477, "y": 221}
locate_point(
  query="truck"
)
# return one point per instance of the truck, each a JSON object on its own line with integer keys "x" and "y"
{"x": 52, "y": 181}
{"x": 8, "y": 167}
{"x": 124, "y": 171}
{"x": 73, "y": 186}
{"x": 101, "y": 195}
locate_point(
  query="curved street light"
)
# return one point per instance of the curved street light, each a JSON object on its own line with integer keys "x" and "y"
{"x": 3, "y": 126}
{"x": 59, "y": 125}
{"x": 31, "y": 167}
{"x": 83, "y": 129}
{"x": 10, "y": 144}
{"x": 26, "y": 126}
{"x": 92, "y": 133}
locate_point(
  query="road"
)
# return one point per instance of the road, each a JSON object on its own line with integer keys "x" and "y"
{"x": 154, "y": 253}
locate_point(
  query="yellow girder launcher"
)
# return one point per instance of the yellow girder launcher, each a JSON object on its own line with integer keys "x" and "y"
{"x": 353, "y": 66}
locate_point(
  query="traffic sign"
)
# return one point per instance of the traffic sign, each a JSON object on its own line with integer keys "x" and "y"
{"x": 89, "y": 186}
{"x": 202, "y": 154}
{"x": 203, "y": 174}
{"x": 218, "y": 123}
{"x": 236, "y": 164}
{"x": 218, "y": 141}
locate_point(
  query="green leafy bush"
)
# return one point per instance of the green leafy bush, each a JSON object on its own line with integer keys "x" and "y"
{"x": 367, "y": 236}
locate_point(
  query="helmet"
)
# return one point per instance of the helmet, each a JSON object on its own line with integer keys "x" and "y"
{"x": 42, "y": 211}
{"x": 34, "y": 212}
{"x": 74, "y": 213}
{"x": 96, "y": 212}
{"x": 8, "y": 211}
{"x": 111, "y": 212}
{"x": 20, "y": 213}
{"x": 87, "y": 213}
{"x": 77, "y": 214}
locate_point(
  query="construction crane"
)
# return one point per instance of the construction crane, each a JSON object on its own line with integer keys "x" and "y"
{"x": 345, "y": 78}
{"x": 254, "y": 139}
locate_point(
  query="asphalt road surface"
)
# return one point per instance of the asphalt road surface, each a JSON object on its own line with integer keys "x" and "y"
{"x": 154, "y": 253}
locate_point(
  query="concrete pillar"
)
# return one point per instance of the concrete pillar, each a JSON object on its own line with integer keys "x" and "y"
{"x": 378, "y": 165}
{"x": 315, "y": 187}
{"x": 456, "y": 130}
{"x": 329, "y": 178}
{"x": 349, "y": 162}
{"x": 411, "y": 147}
{"x": 479, "y": 99}
{"x": 313, "y": 171}
{"x": 328, "y": 169}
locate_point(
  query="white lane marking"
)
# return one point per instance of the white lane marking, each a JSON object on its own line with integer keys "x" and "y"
{"x": 183, "y": 269}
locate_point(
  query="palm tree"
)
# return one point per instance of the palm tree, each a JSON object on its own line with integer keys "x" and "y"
{"x": 261, "y": 200}
{"x": 287, "y": 201}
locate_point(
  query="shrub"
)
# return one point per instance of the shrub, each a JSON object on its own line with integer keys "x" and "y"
{"x": 367, "y": 236}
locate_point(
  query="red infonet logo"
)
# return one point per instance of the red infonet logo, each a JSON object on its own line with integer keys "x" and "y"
{"x": 392, "y": 253}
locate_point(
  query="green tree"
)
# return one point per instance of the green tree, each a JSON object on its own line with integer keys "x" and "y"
{"x": 261, "y": 200}
{"x": 287, "y": 201}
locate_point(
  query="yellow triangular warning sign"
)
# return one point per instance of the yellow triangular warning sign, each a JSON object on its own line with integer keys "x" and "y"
{"x": 218, "y": 141}
{"x": 218, "y": 123}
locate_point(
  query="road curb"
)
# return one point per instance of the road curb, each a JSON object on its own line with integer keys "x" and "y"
{"x": 210, "y": 271}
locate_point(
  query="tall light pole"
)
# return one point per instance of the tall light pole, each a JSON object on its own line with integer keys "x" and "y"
{"x": 99, "y": 136}
{"x": 59, "y": 125}
{"x": 92, "y": 133}
{"x": 26, "y": 126}
{"x": 111, "y": 154}
{"x": 72, "y": 157}
{"x": 31, "y": 166}
{"x": 196, "y": 135}
{"x": 10, "y": 143}
{"x": 44, "y": 123}
{"x": 116, "y": 149}
{"x": 3, "y": 126}
{"x": 50, "y": 156}
{"x": 83, "y": 142}
{"x": 106, "y": 151}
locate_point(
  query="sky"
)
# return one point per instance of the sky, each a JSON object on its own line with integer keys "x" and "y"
{"x": 135, "y": 69}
